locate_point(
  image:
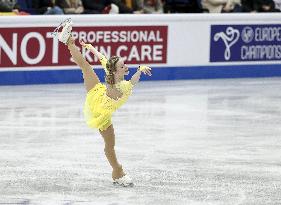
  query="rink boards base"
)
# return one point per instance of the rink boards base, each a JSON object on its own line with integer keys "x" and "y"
{"x": 159, "y": 73}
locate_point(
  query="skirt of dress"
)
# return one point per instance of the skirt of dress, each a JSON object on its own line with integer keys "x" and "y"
{"x": 95, "y": 112}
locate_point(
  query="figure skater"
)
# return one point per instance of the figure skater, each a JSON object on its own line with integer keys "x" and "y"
{"x": 104, "y": 99}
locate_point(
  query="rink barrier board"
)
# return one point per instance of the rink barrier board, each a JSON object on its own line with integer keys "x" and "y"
{"x": 159, "y": 73}
{"x": 177, "y": 51}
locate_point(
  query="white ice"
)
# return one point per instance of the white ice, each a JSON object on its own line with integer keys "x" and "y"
{"x": 203, "y": 142}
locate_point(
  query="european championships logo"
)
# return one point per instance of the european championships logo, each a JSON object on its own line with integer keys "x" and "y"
{"x": 231, "y": 36}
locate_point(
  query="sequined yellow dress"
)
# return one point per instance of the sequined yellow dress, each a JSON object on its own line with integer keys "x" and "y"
{"x": 99, "y": 107}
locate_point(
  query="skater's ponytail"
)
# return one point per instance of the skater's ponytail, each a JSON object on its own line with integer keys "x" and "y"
{"x": 111, "y": 67}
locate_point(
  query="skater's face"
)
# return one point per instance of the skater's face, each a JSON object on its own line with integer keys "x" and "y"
{"x": 121, "y": 68}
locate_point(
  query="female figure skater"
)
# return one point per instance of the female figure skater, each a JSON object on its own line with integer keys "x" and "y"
{"x": 102, "y": 100}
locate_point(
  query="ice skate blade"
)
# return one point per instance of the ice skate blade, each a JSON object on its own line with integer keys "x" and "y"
{"x": 123, "y": 185}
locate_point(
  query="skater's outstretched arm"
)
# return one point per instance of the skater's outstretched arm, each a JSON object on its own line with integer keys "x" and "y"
{"x": 142, "y": 69}
{"x": 93, "y": 50}
{"x": 135, "y": 78}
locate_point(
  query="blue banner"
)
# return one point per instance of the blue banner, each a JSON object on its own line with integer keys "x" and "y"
{"x": 245, "y": 43}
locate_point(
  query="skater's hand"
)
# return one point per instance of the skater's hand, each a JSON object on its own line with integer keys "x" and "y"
{"x": 92, "y": 50}
{"x": 142, "y": 69}
{"x": 86, "y": 45}
{"x": 145, "y": 69}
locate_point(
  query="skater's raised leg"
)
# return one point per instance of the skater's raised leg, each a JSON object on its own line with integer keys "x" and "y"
{"x": 90, "y": 77}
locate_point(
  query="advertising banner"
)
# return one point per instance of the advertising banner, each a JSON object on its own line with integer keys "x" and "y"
{"x": 245, "y": 42}
{"x": 29, "y": 46}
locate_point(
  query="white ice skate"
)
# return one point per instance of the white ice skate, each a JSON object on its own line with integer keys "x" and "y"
{"x": 64, "y": 35}
{"x": 124, "y": 181}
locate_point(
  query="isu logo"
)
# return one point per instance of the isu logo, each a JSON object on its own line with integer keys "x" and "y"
{"x": 230, "y": 37}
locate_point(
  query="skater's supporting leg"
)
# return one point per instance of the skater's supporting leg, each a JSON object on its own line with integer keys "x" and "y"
{"x": 90, "y": 77}
{"x": 109, "y": 139}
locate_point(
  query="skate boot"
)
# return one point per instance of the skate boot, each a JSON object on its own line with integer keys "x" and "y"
{"x": 64, "y": 35}
{"x": 124, "y": 181}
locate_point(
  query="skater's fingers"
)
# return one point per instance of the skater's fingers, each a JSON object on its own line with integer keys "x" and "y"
{"x": 147, "y": 71}
{"x": 82, "y": 42}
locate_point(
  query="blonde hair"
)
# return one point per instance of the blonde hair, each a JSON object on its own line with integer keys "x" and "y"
{"x": 111, "y": 67}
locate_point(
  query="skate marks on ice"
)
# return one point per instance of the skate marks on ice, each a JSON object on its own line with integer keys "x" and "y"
{"x": 184, "y": 142}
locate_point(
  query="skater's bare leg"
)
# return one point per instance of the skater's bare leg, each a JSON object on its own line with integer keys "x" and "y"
{"x": 90, "y": 77}
{"x": 109, "y": 139}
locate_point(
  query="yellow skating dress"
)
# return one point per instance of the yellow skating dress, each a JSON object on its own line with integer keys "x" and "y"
{"x": 99, "y": 107}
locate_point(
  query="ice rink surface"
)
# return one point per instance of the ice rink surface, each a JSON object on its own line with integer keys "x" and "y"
{"x": 201, "y": 142}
